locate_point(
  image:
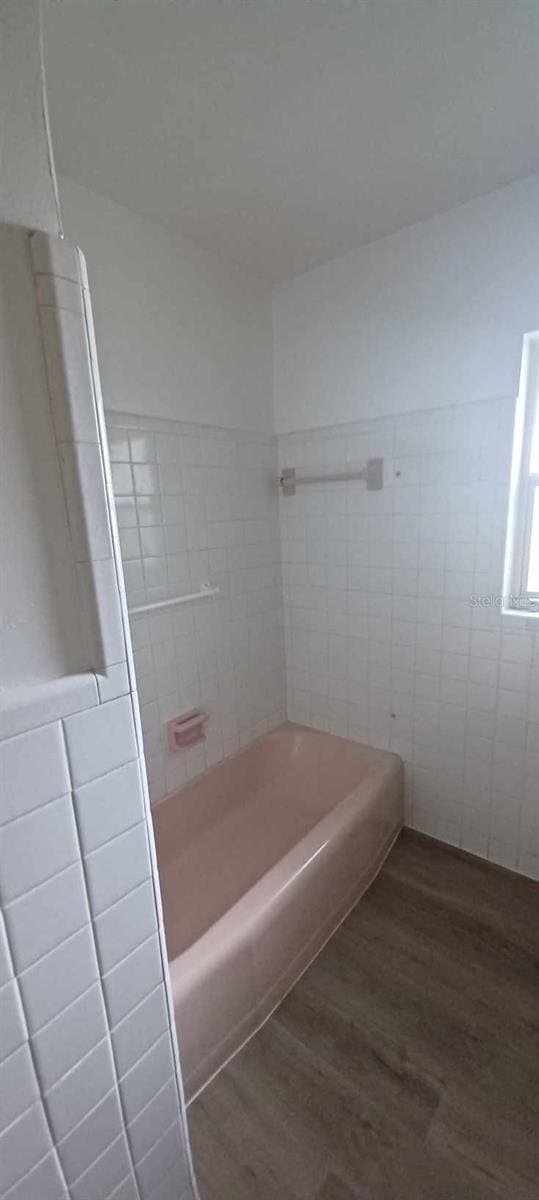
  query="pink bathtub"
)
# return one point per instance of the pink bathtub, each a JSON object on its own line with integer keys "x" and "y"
{"x": 260, "y": 859}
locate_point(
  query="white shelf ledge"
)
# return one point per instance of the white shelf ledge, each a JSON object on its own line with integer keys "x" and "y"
{"x": 372, "y": 474}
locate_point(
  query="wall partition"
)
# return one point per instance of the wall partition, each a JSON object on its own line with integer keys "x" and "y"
{"x": 89, "y": 1071}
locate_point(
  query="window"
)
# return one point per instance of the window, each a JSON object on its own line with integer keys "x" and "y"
{"x": 521, "y": 578}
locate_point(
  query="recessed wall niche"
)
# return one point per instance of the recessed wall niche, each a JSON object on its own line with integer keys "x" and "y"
{"x": 39, "y": 626}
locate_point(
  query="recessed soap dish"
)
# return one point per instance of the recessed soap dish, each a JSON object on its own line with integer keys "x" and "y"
{"x": 186, "y": 729}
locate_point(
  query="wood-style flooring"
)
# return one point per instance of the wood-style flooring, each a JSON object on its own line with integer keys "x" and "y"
{"x": 404, "y": 1064}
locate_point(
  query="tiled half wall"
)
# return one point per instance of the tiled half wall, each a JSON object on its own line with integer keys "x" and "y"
{"x": 197, "y": 503}
{"x": 384, "y": 643}
{"x": 90, "y": 1104}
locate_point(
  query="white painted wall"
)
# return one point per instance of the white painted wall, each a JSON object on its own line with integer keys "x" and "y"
{"x": 180, "y": 334}
{"x": 26, "y": 182}
{"x": 431, "y": 316}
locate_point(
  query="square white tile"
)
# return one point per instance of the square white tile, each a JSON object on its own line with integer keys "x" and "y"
{"x": 58, "y": 978}
{"x": 105, "y": 1174}
{"x": 159, "y": 1160}
{"x": 12, "y": 1028}
{"x": 139, "y": 1030}
{"x": 6, "y": 970}
{"x": 121, "y": 928}
{"x": 126, "y": 1190}
{"x": 132, "y": 979}
{"x": 109, "y": 805}
{"x": 43, "y": 1182}
{"x": 115, "y": 869}
{"x": 33, "y": 768}
{"x": 91, "y": 1137}
{"x": 18, "y": 1085}
{"x": 36, "y": 846}
{"x": 44, "y": 917}
{"x": 100, "y": 740}
{"x": 147, "y": 1077}
{"x": 71, "y": 1035}
{"x": 22, "y": 1145}
{"x": 154, "y": 1120}
{"x": 84, "y": 1086}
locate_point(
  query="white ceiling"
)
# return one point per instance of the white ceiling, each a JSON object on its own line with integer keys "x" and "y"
{"x": 284, "y": 132}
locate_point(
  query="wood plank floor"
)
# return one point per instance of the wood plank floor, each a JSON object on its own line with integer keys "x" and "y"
{"x": 404, "y": 1064}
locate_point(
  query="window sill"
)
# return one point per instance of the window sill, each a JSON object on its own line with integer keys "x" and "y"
{"x": 522, "y": 614}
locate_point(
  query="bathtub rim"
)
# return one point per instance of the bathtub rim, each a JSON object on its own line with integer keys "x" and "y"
{"x": 229, "y": 759}
{"x": 243, "y": 911}
{"x": 334, "y": 922}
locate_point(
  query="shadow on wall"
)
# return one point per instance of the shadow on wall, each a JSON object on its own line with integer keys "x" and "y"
{"x": 40, "y": 634}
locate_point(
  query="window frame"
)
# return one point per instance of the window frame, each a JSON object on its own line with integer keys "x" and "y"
{"x": 524, "y": 488}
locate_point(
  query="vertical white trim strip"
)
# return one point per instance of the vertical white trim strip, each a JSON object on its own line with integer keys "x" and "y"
{"x": 46, "y": 121}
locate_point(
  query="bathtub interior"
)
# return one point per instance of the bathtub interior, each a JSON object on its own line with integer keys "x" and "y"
{"x": 220, "y": 834}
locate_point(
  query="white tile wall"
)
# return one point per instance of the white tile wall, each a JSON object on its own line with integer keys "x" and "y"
{"x": 106, "y": 1173}
{"x": 154, "y": 1117}
{"x": 166, "y": 1190}
{"x": 126, "y": 1190}
{"x": 23, "y": 789}
{"x": 163, "y": 1153}
{"x": 91, "y": 1136}
{"x": 117, "y": 868}
{"x": 44, "y": 1182}
{"x": 85, "y": 1036}
{"x": 5, "y": 957}
{"x": 129, "y": 981}
{"x": 122, "y": 927}
{"x": 141, "y": 1028}
{"x": 22, "y": 1144}
{"x": 13, "y": 1030}
{"x": 109, "y": 806}
{"x": 73, "y": 1096}
{"x": 147, "y": 1077}
{"x": 18, "y": 1085}
{"x": 36, "y": 847}
{"x": 383, "y": 643}
{"x": 62, "y": 1042}
{"x": 46, "y": 915}
{"x": 100, "y": 740}
{"x": 196, "y": 503}
{"x": 58, "y": 978}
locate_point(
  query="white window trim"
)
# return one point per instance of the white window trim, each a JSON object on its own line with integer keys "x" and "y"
{"x": 517, "y": 600}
